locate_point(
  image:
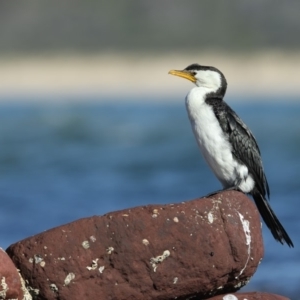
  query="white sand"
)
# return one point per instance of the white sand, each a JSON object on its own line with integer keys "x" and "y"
{"x": 138, "y": 76}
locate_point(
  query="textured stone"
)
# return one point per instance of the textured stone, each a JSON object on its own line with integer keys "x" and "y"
{"x": 249, "y": 296}
{"x": 201, "y": 247}
{"x": 10, "y": 282}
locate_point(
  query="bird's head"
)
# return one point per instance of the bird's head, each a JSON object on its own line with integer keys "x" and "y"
{"x": 209, "y": 77}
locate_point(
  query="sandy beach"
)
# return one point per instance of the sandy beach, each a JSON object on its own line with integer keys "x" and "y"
{"x": 124, "y": 76}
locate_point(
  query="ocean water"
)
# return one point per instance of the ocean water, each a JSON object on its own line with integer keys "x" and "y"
{"x": 61, "y": 162}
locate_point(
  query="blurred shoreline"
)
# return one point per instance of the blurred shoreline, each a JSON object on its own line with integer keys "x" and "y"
{"x": 125, "y": 76}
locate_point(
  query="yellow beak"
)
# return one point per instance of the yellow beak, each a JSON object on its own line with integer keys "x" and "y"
{"x": 184, "y": 74}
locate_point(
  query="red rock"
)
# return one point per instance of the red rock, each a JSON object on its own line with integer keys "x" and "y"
{"x": 249, "y": 296}
{"x": 10, "y": 281}
{"x": 200, "y": 247}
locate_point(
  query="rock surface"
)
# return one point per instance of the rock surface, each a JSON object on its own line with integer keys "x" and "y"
{"x": 249, "y": 296}
{"x": 10, "y": 281}
{"x": 202, "y": 247}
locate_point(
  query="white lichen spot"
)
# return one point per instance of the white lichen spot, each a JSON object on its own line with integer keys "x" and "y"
{"x": 154, "y": 216}
{"x": 61, "y": 258}
{"x": 242, "y": 283}
{"x": 210, "y": 217}
{"x": 145, "y": 242}
{"x": 220, "y": 287}
{"x": 125, "y": 215}
{"x": 4, "y": 288}
{"x": 101, "y": 269}
{"x": 37, "y": 258}
{"x": 30, "y": 260}
{"x": 155, "y": 211}
{"x": 175, "y": 219}
{"x": 33, "y": 291}
{"x": 26, "y": 294}
{"x": 85, "y": 244}
{"x": 42, "y": 264}
{"x": 109, "y": 250}
{"x": 69, "y": 278}
{"x": 175, "y": 280}
{"x": 230, "y": 297}
{"x": 45, "y": 247}
{"x": 92, "y": 239}
{"x": 154, "y": 261}
{"x": 246, "y": 228}
{"x": 53, "y": 287}
{"x": 94, "y": 265}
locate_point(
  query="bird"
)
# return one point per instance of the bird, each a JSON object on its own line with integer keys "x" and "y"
{"x": 226, "y": 143}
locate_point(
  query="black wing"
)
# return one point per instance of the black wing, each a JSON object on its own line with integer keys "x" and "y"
{"x": 244, "y": 145}
{"x": 246, "y": 150}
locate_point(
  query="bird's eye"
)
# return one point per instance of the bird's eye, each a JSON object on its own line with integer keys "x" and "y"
{"x": 194, "y": 73}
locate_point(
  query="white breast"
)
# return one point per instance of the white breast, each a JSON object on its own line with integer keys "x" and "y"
{"x": 213, "y": 144}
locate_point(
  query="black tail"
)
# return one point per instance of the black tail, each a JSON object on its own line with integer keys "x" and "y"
{"x": 270, "y": 219}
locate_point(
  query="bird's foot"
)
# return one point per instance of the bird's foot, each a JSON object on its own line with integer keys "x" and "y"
{"x": 233, "y": 188}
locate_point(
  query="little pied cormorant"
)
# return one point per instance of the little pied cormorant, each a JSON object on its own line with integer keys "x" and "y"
{"x": 226, "y": 143}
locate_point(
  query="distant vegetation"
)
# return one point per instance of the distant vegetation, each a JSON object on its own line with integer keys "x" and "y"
{"x": 148, "y": 25}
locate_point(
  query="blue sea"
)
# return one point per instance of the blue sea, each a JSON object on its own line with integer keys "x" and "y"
{"x": 66, "y": 160}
